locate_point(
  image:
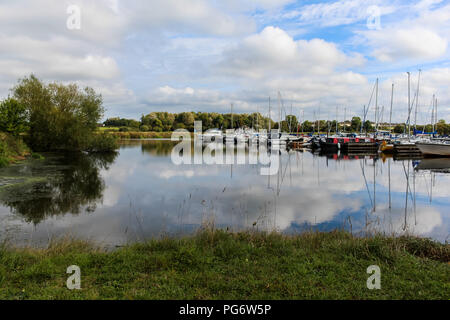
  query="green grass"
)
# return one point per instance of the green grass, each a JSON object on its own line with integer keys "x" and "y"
{"x": 140, "y": 134}
{"x": 221, "y": 265}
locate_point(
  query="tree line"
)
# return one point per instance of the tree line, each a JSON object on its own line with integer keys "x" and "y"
{"x": 165, "y": 121}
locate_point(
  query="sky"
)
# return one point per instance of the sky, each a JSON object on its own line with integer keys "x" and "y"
{"x": 322, "y": 57}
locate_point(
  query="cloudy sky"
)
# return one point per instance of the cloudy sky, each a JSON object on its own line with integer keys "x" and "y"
{"x": 183, "y": 55}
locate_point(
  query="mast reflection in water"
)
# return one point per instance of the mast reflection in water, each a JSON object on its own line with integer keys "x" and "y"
{"x": 139, "y": 193}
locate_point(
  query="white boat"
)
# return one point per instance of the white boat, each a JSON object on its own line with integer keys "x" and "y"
{"x": 212, "y": 135}
{"x": 241, "y": 136}
{"x": 277, "y": 139}
{"x": 434, "y": 148}
{"x": 230, "y": 136}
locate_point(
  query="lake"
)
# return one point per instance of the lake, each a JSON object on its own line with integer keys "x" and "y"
{"x": 139, "y": 193}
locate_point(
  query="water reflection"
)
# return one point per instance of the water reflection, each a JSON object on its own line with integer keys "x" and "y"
{"x": 141, "y": 194}
{"x": 62, "y": 185}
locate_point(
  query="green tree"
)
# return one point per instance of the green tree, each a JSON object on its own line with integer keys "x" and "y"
{"x": 290, "y": 123}
{"x": 61, "y": 117}
{"x": 307, "y": 126}
{"x": 368, "y": 126}
{"x": 356, "y": 123}
{"x": 13, "y": 117}
{"x": 399, "y": 128}
{"x": 442, "y": 127}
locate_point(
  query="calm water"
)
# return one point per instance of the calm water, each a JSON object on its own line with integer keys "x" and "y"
{"x": 139, "y": 193}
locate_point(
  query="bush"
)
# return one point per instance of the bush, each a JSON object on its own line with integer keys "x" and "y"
{"x": 102, "y": 143}
{"x": 11, "y": 149}
{"x": 145, "y": 128}
{"x": 124, "y": 129}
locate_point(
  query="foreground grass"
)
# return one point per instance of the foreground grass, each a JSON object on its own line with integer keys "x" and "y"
{"x": 221, "y": 265}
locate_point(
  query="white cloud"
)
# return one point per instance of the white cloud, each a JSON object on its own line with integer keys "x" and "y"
{"x": 274, "y": 52}
{"x": 412, "y": 43}
{"x": 186, "y": 16}
{"x": 338, "y": 13}
{"x": 200, "y": 55}
{"x": 421, "y": 36}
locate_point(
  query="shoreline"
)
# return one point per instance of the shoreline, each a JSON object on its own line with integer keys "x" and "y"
{"x": 223, "y": 265}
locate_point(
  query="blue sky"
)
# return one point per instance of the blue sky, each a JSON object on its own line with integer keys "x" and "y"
{"x": 199, "y": 55}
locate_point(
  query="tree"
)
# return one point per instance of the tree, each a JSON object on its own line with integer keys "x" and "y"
{"x": 399, "y": 128}
{"x": 368, "y": 126}
{"x": 307, "y": 126}
{"x": 441, "y": 127}
{"x": 13, "y": 117}
{"x": 291, "y": 123}
{"x": 61, "y": 117}
{"x": 356, "y": 123}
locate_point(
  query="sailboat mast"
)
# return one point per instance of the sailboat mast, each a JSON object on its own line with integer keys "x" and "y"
{"x": 364, "y": 120}
{"x": 409, "y": 105}
{"x": 270, "y": 120}
{"x": 303, "y": 119}
{"x": 257, "y": 117}
{"x": 345, "y": 116}
{"x": 390, "y": 114}
{"x": 417, "y": 101}
{"x": 336, "y": 119}
{"x": 435, "y": 114}
{"x": 231, "y": 116}
{"x": 432, "y": 113}
{"x": 376, "y": 105}
{"x": 279, "y": 111}
{"x": 318, "y": 122}
{"x": 290, "y": 120}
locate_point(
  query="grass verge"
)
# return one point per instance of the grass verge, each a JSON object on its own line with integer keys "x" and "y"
{"x": 140, "y": 134}
{"x": 222, "y": 265}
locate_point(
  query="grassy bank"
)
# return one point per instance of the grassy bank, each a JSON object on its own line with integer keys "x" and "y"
{"x": 220, "y": 265}
{"x": 12, "y": 149}
{"x": 138, "y": 134}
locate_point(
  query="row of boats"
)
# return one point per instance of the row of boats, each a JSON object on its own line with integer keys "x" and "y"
{"x": 248, "y": 135}
{"x": 428, "y": 145}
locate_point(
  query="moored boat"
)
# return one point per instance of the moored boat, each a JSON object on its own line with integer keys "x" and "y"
{"x": 434, "y": 148}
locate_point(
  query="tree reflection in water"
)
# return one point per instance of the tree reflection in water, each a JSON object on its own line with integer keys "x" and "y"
{"x": 68, "y": 185}
{"x": 157, "y": 148}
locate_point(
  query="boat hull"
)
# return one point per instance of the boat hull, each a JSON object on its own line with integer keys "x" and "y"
{"x": 434, "y": 164}
{"x": 434, "y": 149}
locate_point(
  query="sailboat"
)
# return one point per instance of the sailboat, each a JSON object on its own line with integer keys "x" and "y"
{"x": 212, "y": 135}
{"x": 435, "y": 146}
